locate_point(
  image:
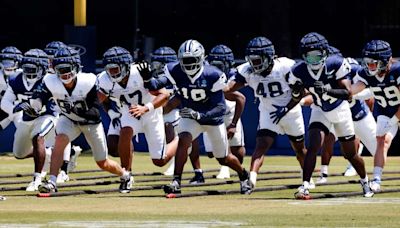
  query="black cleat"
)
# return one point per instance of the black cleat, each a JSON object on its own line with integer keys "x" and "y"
{"x": 126, "y": 185}
{"x": 174, "y": 187}
{"x": 197, "y": 179}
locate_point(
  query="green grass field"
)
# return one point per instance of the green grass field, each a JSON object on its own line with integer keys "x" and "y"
{"x": 150, "y": 208}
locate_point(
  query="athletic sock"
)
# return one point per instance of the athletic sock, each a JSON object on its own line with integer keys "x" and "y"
{"x": 324, "y": 170}
{"x": 253, "y": 177}
{"x": 378, "y": 173}
{"x": 64, "y": 166}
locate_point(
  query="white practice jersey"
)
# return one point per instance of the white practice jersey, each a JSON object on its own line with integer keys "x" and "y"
{"x": 81, "y": 97}
{"x": 272, "y": 89}
{"x": 133, "y": 94}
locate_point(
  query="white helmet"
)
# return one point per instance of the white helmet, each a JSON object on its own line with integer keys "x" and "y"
{"x": 191, "y": 57}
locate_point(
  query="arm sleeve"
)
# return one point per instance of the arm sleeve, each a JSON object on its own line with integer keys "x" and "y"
{"x": 93, "y": 102}
{"x": 364, "y": 95}
{"x": 342, "y": 94}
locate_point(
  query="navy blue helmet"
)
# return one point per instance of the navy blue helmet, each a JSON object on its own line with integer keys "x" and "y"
{"x": 117, "y": 61}
{"x": 10, "y": 58}
{"x": 222, "y": 57}
{"x": 314, "y": 49}
{"x": 260, "y": 53}
{"x": 67, "y": 63}
{"x": 34, "y": 64}
{"x": 52, "y": 47}
{"x": 162, "y": 56}
{"x": 376, "y": 56}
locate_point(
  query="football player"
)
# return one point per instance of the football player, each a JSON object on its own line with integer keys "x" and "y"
{"x": 140, "y": 110}
{"x": 200, "y": 94}
{"x": 35, "y": 124}
{"x": 325, "y": 77}
{"x": 382, "y": 76}
{"x": 76, "y": 95}
{"x": 267, "y": 76}
{"x": 70, "y": 153}
{"x": 364, "y": 124}
{"x": 222, "y": 57}
{"x": 10, "y": 59}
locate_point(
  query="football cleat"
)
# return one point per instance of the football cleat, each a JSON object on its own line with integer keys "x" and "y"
{"x": 47, "y": 187}
{"x": 73, "y": 160}
{"x": 62, "y": 177}
{"x": 34, "y": 185}
{"x": 350, "y": 171}
{"x": 174, "y": 187}
{"x": 302, "y": 193}
{"x": 322, "y": 179}
{"x": 366, "y": 189}
{"x": 375, "y": 185}
{"x": 126, "y": 184}
{"x": 197, "y": 179}
{"x": 224, "y": 173}
{"x": 246, "y": 187}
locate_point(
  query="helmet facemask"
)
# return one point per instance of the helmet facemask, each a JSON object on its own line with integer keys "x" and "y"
{"x": 32, "y": 72}
{"x": 315, "y": 59}
{"x": 66, "y": 72}
{"x": 259, "y": 63}
{"x": 191, "y": 65}
{"x": 117, "y": 72}
{"x": 9, "y": 66}
{"x": 374, "y": 67}
{"x": 222, "y": 65}
{"x": 157, "y": 66}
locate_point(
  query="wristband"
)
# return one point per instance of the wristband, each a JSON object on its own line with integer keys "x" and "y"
{"x": 150, "y": 106}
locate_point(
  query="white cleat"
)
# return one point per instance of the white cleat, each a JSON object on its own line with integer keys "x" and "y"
{"x": 33, "y": 185}
{"x": 224, "y": 173}
{"x": 375, "y": 185}
{"x": 367, "y": 189}
{"x": 62, "y": 177}
{"x": 350, "y": 171}
{"x": 322, "y": 179}
{"x": 312, "y": 184}
{"x": 73, "y": 161}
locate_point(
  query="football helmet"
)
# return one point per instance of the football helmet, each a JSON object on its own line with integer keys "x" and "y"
{"x": 34, "y": 64}
{"x": 10, "y": 57}
{"x": 67, "y": 64}
{"x": 52, "y": 47}
{"x": 260, "y": 53}
{"x": 314, "y": 50}
{"x": 376, "y": 56}
{"x": 117, "y": 62}
{"x": 222, "y": 57}
{"x": 191, "y": 57}
{"x": 162, "y": 56}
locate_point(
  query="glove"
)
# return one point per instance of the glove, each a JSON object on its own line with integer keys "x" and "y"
{"x": 320, "y": 88}
{"x": 26, "y": 108}
{"x": 278, "y": 114}
{"x": 297, "y": 88}
{"x": 189, "y": 113}
{"x": 144, "y": 70}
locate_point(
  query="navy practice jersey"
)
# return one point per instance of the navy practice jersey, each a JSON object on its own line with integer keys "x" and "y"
{"x": 81, "y": 105}
{"x": 20, "y": 91}
{"x": 385, "y": 89}
{"x": 335, "y": 68}
{"x": 359, "y": 108}
{"x": 202, "y": 93}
